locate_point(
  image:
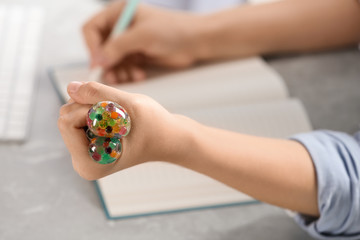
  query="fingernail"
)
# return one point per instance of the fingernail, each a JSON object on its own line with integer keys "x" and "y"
{"x": 110, "y": 78}
{"x": 96, "y": 62}
{"x": 139, "y": 75}
{"x": 73, "y": 87}
{"x": 99, "y": 60}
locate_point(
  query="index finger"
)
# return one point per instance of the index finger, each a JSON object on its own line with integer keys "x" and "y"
{"x": 93, "y": 92}
{"x": 98, "y": 28}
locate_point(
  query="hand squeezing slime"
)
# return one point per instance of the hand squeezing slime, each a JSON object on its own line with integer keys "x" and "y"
{"x": 108, "y": 122}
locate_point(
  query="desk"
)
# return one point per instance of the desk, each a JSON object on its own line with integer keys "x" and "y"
{"x": 41, "y": 197}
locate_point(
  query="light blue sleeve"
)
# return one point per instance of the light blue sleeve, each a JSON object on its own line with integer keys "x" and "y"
{"x": 336, "y": 157}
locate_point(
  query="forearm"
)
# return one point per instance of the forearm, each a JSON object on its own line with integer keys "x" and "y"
{"x": 278, "y": 172}
{"x": 284, "y": 26}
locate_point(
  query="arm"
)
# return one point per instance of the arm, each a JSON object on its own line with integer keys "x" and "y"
{"x": 176, "y": 39}
{"x": 279, "y": 172}
{"x": 275, "y": 171}
{"x": 284, "y": 26}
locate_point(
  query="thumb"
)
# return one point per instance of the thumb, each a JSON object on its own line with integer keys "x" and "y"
{"x": 116, "y": 49}
{"x": 93, "y": 92}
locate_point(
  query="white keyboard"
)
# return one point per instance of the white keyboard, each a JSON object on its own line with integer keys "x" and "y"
{"x": 20, "y": 30}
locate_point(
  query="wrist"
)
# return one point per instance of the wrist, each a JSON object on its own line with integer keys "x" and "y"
{"x": 210, "y": 37}
{"x": 201, "y": 33}
{"x": 184, "y": 144}
{"x": 230, "y": 33}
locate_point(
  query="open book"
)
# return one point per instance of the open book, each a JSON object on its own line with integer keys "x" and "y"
{"x": 245, "y": 96}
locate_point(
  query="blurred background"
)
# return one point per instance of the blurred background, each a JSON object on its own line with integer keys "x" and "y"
{"x": 42, "y": 197}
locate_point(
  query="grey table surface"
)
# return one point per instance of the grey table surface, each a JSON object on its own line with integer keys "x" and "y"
{"x": 41, "y": 197}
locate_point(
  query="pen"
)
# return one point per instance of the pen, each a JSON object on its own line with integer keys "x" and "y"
{"x": 120, "y": 26}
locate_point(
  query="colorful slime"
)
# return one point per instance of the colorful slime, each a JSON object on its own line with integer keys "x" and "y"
{"x": 108, "y": 122}
{"x": 108, "y": 119}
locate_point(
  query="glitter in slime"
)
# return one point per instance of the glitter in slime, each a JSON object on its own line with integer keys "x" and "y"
{"x": 105, "y": 150}
{"x": 108, "y": 119}
{"x": 108, "y": 122}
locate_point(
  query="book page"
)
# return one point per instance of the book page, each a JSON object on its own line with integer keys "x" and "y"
{"x": 276, "y": 119}
{"x": 217, "y": 84}
{"x": 159, "y": 187}
{"x": 62, "y": 76}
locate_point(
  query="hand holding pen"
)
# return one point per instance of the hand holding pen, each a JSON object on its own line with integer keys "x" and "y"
{"x": 154, "y": 36}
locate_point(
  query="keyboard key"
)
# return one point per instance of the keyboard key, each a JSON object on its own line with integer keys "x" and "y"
{"x": 20, "y": 29}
